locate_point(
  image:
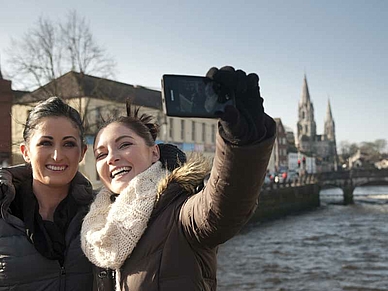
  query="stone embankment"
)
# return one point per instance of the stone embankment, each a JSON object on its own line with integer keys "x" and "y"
{"x": 281, "y": 200}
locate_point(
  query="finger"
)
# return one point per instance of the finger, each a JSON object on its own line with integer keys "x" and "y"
{"x": 212, "y": 71}
{"x": 226, "y": 78}
{"x": 227, "y": 68}
{"x": 252, "y": 80}
{"x": 253, "y": 84}
{"x": 241, "y": 81}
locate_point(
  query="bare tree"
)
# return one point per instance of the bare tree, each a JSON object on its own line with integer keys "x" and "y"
{"x": 51, "y": 49}
{"x": 82, "y": 52}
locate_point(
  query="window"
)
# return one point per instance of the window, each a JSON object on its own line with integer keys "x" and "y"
{"x": 203, "y": 131}
{"x": 213, "y": 133}
{"x": 182, "y": 130}
{"x": 193, "y": 131}
{"x": 171, "y": 129}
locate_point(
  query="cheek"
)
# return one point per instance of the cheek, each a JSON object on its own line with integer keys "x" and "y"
{"x": 101, "y": 170}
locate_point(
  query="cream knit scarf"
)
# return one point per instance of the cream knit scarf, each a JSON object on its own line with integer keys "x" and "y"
{"x": 110, "y": 231}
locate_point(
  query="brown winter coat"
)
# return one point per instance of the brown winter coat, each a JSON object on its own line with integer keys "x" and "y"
{"x": 178, "y": 249}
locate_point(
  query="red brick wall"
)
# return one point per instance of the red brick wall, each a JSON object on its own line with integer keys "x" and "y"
{"x": 6, "y": 95}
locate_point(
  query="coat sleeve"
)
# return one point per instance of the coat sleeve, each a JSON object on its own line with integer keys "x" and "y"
{"x": 230, "y": 197}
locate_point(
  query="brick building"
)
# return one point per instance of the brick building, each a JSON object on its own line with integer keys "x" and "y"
{"x": 6, "y": 96}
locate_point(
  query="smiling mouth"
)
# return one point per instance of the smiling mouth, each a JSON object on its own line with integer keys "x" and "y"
{"x": 56, "y": 168}
{"x": 120, "y": 172}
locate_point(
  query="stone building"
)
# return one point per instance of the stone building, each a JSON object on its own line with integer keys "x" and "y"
{"x": 322, "y": 147}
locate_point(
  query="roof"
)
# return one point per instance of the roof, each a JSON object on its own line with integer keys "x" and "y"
{"x": 75, "y": 85}
{"x": 17, "y": 95}
{"x": 278, "y": 122}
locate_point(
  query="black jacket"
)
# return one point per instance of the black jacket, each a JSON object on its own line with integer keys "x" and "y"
{"x": 22, "y": 267}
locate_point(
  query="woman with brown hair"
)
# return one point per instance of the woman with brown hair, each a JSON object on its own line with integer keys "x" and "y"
{"x": 160, "y": 230}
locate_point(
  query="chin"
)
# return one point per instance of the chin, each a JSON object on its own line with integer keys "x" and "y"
{"x": 118, "y": 190}
{"x": 56, "y": 183}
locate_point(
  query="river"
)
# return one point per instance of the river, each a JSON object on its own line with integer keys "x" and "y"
{"x": 333, "y": 247}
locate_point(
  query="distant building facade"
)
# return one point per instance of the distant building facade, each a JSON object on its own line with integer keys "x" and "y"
{"x": 321, "y": 147}
{"x": 280, "y": 147}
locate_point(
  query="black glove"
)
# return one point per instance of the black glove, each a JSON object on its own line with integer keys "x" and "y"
{"x": 171, "y": 156}
{"x": 246, "y": 124}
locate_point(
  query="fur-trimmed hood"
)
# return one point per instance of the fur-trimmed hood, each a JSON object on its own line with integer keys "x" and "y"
{"x": 190, "y": 176}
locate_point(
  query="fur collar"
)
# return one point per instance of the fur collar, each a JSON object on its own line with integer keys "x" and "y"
{"x": 188, "y": 176}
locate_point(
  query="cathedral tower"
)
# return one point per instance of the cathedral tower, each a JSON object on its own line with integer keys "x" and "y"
{"x": 329, "y": 130}
{"x": 306, "y": 127}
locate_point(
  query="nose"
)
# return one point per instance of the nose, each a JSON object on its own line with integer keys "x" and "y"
{"x": 57, "y": 155}
{"x": 112, "y": 157}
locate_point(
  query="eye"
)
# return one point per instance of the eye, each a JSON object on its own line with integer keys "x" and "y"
{"x": 45, "y": 143}
{"x": 99, "y": 156}
{"x": 70, "y": 144}
{"x": 125, "y": 145}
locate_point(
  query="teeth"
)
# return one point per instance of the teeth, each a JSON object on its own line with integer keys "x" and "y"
{"x": 56, "y": 168}
{"x": 120, "y": 170}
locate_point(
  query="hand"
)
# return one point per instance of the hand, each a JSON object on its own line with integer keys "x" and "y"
{"x": 171, "y": 156}
{"x": 246, "y": 124}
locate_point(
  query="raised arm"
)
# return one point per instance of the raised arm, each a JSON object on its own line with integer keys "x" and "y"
{"x": 243, "y": 148}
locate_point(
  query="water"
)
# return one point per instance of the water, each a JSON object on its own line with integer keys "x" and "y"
{"x": 334, "y": 247}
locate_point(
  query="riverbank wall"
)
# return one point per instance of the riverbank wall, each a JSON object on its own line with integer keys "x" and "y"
{"x": 278, "y": 202}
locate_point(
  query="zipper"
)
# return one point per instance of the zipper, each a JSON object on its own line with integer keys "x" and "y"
{"x": 62, "y": 278}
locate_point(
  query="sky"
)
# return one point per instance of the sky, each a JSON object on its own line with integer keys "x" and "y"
{"x": 341, "y": 47}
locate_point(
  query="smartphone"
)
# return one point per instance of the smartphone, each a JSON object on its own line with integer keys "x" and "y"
{"x": 193, "y": 96}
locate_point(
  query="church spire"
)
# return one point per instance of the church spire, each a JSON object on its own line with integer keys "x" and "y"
{"x": 305, "y": 98}
{"x": 329, "y": 115}
{"x": 306, "y": 127}
{"x": 329, "y": 131}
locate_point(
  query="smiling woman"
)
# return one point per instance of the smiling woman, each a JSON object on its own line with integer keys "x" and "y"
{"x": 159, "y": 228}
{"x": 121, "y": 154}
{"x": 43, "y": 204}
{"x": 54, "y": 151}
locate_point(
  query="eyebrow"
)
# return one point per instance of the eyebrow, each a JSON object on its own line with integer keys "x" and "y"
{"x": 122, "y": 137}
{"x": 65, "y": 137}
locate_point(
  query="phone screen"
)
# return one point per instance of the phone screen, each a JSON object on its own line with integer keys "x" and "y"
{"x": 192, "y": 96}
